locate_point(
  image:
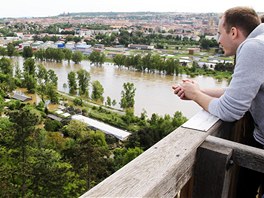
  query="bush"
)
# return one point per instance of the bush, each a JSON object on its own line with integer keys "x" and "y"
{"x": 52, "y": 125}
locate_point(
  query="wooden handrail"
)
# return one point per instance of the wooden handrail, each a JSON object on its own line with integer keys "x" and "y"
{"x": 207, "y": 162}
{"x": 243, "y": 155}
{"x": 161, "y": 171}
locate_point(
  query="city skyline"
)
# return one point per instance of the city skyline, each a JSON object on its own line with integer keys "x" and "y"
{"x": 36, "y": 8}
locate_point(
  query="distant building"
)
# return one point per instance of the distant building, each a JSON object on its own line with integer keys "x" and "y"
{"x": 192, "y": 51}
{"x": 70, "y": 45}
{"x": 60, "y": 44}
{"x": 83, "y": 47}
{"x": 47, "y": 44}
{"x": 100, "y": 46}
{"x": 36, "y": 45}
{"x": 25, "y": 44}
{"x": 141, "y": 47}
{"x": 21, "y": 96}
{"x": 54, "y": 117}
{"x": 118, "y": 133}
{"x": 113, "y": 54}
{"x": 119, "y": 46}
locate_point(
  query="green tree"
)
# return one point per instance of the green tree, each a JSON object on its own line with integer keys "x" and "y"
{"x": 128, "y": 96}
{"x": 97, "y": 91}
{"x": 7, "y": 163}
{"x": 97, "y": 58}
{"x": 52, "y": 78}
{"x": 30, "y": 82}
{"x": 10, "y": 49}
{"x": 67, "y": 54}
{"x": 119, "y": 60}
{"x": 27, "y": 52}
{"x": 122, "y": 156}
{"x": 108, "y": 101}
{"x": 72, "y": 83}
{"x": 64, "y": 86}
{"x": 29, "y": 66}
{"x": 1, "y": 104}
{"x": 77, "y": 57}
{"x": 84, "y": 79}
{"x": 6, "y": 66}
{"x": 131, "y": 154}
{"x": 3, "y": 51}
{"x": 75, "y": 129}
{"x": 41, "y": 90}
{"x": 40, "y": 54}
{"x": 78, "y": 102}
{"x": 51, "y": 92}
{"x": 42, "y": 73}
{"x": 50, "y": 176}
{"x": 18, "y": 72}
{"x": 114, "y": 102}
{"x": 24, "y": 122}
{"x": 58, "y": 56}
{"x": 90, "y": 157}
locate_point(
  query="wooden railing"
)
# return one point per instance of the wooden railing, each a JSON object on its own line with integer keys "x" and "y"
{"x": 186, "y": 163}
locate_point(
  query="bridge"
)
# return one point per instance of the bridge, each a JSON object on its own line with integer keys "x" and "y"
{"x": 187, "y": 163}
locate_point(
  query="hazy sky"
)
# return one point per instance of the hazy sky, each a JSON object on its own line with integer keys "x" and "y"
{"x": 35, "y": 8}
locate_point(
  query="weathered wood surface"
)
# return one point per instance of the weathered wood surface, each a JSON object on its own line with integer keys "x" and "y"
{"x": 243, "y": 155}
{"x": 201, "y": 121}
{"x": 211, "y": 173}
{"x": 161, "y": 171}
{"x": 239, "y": 131}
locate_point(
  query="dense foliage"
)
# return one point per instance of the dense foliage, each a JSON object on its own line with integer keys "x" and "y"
{"x": 41, "y": 157}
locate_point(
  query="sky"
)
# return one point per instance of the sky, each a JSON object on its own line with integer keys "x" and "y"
{"x": 43, "y": 8}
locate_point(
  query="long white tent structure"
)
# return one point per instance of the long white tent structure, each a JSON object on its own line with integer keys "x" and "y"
{"x": 118, "y": 133}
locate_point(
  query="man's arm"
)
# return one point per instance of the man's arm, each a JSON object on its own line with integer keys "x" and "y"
{"x": 213, "y": 92}
{"x": 203, "y": 100}
{"x": 202, "y": 97}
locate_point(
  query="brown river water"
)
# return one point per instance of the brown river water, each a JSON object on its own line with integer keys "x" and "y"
{"x": 153, "y": 91}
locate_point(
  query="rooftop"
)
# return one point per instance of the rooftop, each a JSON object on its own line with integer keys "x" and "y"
{"x": 118, "y": 133}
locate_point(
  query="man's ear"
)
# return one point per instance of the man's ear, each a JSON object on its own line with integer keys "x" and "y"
{"x": 234, "y": 32}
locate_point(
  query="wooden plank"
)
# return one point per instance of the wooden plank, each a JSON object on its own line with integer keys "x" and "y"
{"x": 202, "y": 121}
{"x": 161, "y": 171}
{"x": 243, "y": 155}
{"x": 211, "y": 176}
{"x": 238, "y": 131}
{"x": 186, "y": 191}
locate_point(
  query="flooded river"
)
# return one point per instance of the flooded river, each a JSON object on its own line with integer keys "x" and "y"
{"x": 153, "y": 91}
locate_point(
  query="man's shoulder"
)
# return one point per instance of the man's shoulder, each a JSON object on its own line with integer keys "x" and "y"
{"x": 253, "y": 43}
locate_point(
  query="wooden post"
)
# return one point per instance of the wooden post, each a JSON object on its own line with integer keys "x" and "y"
{"x": 211, "y": 173}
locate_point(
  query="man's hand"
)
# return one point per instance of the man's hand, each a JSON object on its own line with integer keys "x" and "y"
{"x": 190, "y": 89}
{"x": 179, "y": 91}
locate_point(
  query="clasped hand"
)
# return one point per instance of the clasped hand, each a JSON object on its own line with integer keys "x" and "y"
{"x": 186, "y": 90}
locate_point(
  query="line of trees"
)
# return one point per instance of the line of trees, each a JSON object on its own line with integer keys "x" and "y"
{"x": 149, "y": 63}
{"x": 53, "y": 54}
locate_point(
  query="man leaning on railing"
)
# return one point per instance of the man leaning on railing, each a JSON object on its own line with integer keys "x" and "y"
{"x": 242, "y": 34}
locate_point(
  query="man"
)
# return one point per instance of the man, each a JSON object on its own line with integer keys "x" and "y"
{"x": 240, "y": 34}
{"x": 262, "y": 18}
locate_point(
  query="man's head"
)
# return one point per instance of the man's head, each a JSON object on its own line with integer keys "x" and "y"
{"x": 235, "y": 25}
{"x": 262, "y": 18}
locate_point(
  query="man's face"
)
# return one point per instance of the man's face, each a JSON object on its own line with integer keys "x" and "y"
{"x": 226, "y": 40}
